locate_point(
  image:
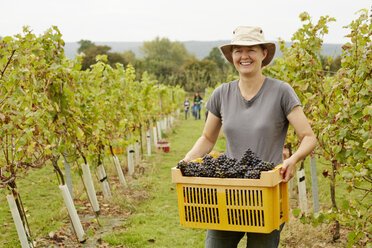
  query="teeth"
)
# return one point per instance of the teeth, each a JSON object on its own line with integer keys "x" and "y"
{"x": 246, "y": 63}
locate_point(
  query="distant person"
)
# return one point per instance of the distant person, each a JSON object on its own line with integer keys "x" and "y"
{"x": 186, "y": 107}
{"x": 197, "y": 104}
{"x": 254, "y": 113}
{"x": 193, "y": 109}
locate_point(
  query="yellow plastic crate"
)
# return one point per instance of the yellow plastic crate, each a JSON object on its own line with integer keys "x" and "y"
{"x": 117, "y": 151}
{"x": 246, "y": 205}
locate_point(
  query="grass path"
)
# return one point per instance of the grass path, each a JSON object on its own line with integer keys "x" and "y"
{"x": 156, "y": 223}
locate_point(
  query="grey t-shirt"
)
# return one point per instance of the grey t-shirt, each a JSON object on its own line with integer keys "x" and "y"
{"x": 260, "y": 123}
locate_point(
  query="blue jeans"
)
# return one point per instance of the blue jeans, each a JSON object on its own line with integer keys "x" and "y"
{"x": 229, "y": 239}
{"x": 197, "y": 110}
{"x": 187, "y": 111}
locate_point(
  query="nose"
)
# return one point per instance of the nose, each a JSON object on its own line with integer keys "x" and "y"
{"x": 245, "y": 54}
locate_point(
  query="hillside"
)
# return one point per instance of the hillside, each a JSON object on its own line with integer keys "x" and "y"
{"x": 200, "y": 49}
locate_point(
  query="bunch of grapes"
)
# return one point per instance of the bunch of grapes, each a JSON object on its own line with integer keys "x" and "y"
{"x": 248, "y": 166}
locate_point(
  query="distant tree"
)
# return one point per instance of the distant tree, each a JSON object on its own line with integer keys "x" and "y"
{"x": 336, "y": 64}
{"x": 225, "y": 69}
{"x": 85, "y": 45}
{"x": 163, "y": 57}
{"x": 114, "y": 58}
{"x": 329, "y": 64}
{"x": 197, "y": 75}
{"x": 215, "y": 55}
{"x": 129, "y": 57}
{"x": 91, "y": 53}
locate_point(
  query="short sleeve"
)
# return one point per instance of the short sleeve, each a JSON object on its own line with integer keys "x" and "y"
{"x": 289, "y": 98}
{"x": 214, "y": 102}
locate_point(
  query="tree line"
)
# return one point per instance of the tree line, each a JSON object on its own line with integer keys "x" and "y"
{"x": 171, "y": 63}
{"x": 167, "y": 61}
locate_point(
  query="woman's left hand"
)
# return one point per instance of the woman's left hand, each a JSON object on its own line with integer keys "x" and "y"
{"x": 303, "y": 129}
{"x": 288, "y": 169}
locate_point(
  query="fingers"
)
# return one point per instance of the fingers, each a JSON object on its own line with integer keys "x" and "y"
{"x": 283, "y": 169}
{"x": 287, "y": 178}
{"x": 287, "y": 171}
{"x": 182, "y": 160}
{"x": 289, "y": 174}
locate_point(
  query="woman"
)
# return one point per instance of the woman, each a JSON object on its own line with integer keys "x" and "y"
{"x": 197, "y": 104}
{"x": 186, "y": 106}
{"x": 254, "y": 112}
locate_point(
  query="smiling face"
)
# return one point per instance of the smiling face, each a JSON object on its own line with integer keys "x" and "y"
{"x": 248, "y": 59}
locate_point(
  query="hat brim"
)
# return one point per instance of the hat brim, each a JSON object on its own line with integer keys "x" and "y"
{"x": 226, "y": 50}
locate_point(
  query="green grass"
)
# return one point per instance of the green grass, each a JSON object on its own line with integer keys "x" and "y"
{"x": 42, "y": 201}
{"x": 156, "y": 221}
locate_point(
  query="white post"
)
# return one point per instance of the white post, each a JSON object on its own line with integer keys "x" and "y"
{"x": 18, "y": 222}
{"x": 165, "y": 123}
{"x": 73, "y": 213}
{"x": 159, "y": 130}
{"x": 130, "y": 155}
{"x": 68, "y": 176}
{"x": 122, "y": 180}
{"x": 302, "y": 190}
{"x": 314, "y": 184}
{"x": 137, "y": 152}
{"x": 148, "y": 142}
{"x": 102, "y": 177}
{"x": 87, "y": 178}
{"x": 154, "y": 134}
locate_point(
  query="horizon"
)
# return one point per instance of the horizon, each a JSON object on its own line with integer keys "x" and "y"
{"x": 200, "y": 49}
{"x": 186, "y": 41}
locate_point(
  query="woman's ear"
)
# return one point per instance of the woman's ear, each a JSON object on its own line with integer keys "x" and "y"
{"x": 264, "y": 53}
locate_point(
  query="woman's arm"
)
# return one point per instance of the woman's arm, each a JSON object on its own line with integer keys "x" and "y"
{"x": 208, "y": 139}
{"x": 307, "y": 137}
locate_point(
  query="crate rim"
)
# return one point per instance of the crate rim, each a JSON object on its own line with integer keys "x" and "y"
{"x": 268, "y": 179}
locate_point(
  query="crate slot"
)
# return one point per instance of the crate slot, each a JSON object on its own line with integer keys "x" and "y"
{"x": 203, "y": 196}
{"x": 217, "y": 216}
{"x": 201, "y": 214}
{"x": 244, "y": 198}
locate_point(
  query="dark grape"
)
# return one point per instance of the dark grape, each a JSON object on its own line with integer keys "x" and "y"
{"x": 248, "y": 166}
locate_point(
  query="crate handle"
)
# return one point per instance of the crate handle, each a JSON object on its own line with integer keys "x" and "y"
{"x": 279, "y": 167}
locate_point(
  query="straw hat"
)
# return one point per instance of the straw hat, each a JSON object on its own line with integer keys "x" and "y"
{"x": 248, "y": 36}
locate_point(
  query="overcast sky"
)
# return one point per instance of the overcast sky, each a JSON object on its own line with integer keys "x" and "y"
{"x": 144, "y": 20}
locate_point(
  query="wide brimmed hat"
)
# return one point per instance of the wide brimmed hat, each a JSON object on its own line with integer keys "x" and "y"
{"x": 248, "y": 36}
